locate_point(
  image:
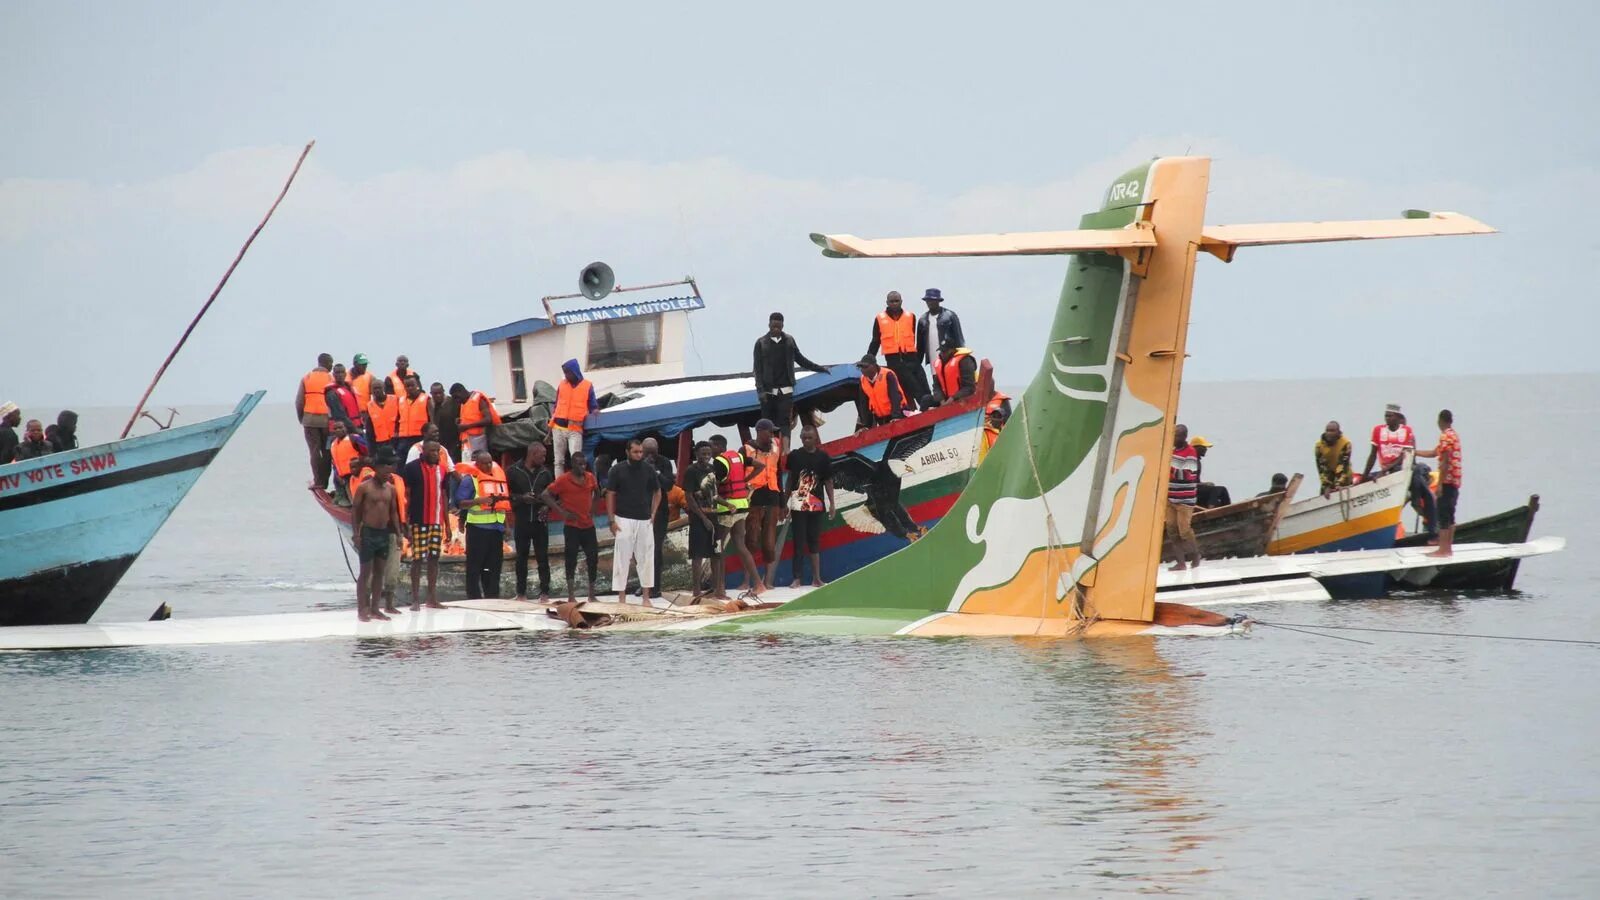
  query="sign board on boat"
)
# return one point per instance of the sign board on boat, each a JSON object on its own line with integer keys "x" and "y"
{"x": 629, "y": 310}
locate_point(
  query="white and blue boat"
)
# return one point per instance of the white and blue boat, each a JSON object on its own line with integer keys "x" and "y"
{"x": 72, "y": 523}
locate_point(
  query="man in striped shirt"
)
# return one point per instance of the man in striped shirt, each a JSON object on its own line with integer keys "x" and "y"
{"x": 1183, "y": 484}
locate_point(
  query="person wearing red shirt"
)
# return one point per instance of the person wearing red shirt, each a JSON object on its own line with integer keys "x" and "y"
{"x": 571, "y": 498}
{"x": 1183, "y": 485}
{"x": 1448, "y": 452}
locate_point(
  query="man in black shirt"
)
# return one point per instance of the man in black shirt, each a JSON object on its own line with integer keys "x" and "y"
{"x": 701, "y": 498}
{"x": 809, "y": 494}
{"x": 526, "y": 481}
{"x": 775, "y": 356}
{"x": 10, "y": 418}
{"x": 666, "y": 477}
{"x": 633, "y": 491}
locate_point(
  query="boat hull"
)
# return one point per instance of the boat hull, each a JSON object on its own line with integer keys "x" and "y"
{"x": 72, "y": 523}
{"x": 1363, "y": 517}
{"x": 1510, "y": 527}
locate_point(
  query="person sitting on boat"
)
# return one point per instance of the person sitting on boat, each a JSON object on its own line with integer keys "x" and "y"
{"x": 311, "y": 408}
{"x": 1390, "y": 441}
{"x": 63, "y": 435}
{"x": 1207, "y": 495}
{"x": 344, "y": 450}
{"x": 575, "y": 401}
{"x": 33, "y": 443}
{"x": 1333, "y": 459}
{"x": 895, "y": 331}
{"x": 881, "y": 399}
{"x": 1182, "y": 481}
{"x": 1280, "y": 483}
{"x": 776, "y": 355}
{"x": 955, "y": 374}
{"x": 10, "y": 418}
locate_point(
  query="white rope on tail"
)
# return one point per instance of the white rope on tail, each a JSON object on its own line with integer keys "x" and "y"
{"x": 1053, "y": 540}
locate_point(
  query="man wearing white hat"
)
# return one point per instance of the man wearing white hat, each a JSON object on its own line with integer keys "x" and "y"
{"x": 10, "y": 418}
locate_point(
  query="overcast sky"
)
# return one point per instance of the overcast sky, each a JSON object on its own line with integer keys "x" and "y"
{"x": 472, "y": 157}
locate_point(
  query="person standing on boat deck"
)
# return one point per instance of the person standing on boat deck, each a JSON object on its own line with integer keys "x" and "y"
{"x": 895, "y": 331}
{"x": 633, "y": 493}
{"x": 527, "y": 480}
{"x": 666, "y": 477}
{"x": 938, "y": 327}
{"x": 478, "y": 415}
{"x": 881, "y": 399}
{"x": 383, "y": 417}
{"x": 446, "y": 414}
{"x": 1182, "y": 482}
{"x": 416, "y": 413}
{"x": 735, "y": 470}
{"x": 360, "y": 380}
{"x": 427, "y": 484}
{"x": 955, "y": 375}
{"x": 575, "y": 400}
{"x": 1390, "y": 441}
{"x": 483, "y": 496}
{"x": 1448, "y": 452}
{"x": 343, "y": 404}
{"x": 376, "y": 518}
{"x": 311, "y": 408}
{"x": 10, "y": 418}
{"x": 809, "y": 494}
{"x": 396, "y": 383}
{"x": 33, "y": 443}
{"x": 776, "y": 355}
{"x": 700, "y": 497}
{"x": 63, "y": 435}
{"x": 1333, "y": 459}
{"x": 570, "y": 498}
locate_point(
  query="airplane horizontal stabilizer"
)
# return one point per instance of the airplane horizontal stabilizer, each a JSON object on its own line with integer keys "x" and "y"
{"x": 1222, "y": 241}
{"x": 1021, "y": 243}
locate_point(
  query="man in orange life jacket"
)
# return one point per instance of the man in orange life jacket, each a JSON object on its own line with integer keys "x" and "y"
{"x": 881, "y": 399}
{"x": 359, "y": 379}
{"x": 477, "y": 416}
{"x": 416, "y": 413}
{"x": 344, "y": 450}
{"x": 735, "y": 470}
{"x": 483, "y": 495}
{"x": 311, "y": 408}
{"x": 397, "y": 379}
{"x": 383, "y": 417}
{"x": 575, "y": 400}
{"x": 895, "y": 331}
{"x": 955, "y": 374}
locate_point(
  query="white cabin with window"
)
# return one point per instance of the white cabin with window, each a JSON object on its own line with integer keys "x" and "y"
{"x": 640, "y": 341}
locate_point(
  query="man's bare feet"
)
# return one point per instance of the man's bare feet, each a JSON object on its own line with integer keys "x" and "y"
{"x": 1178, "y": 566}
{"x": 520, "y": 598}
{"x": 819, "y": 583}
{"x": 434, "y": 604}
{"x": 391, "y": 610}
{"x": 544, "y": 598}
{"x": 379, "y": 616}
{"x": 363, "y": 615}
{"x": 416, "y": 606}
{"x": 1439, "y": 554}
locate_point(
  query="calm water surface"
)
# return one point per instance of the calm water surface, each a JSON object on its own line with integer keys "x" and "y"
{"x": 1270, "y": 764}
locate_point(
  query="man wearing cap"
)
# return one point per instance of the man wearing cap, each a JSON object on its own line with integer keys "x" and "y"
{"x": 10, "y": 418}
{"x": 1333, "y": 459}
{"x": 1390, "y": 441}
{"x": 938, "y": 327}
{"x": 1207, "y": 495}
{"x": 776, "y": 354}
{"x": 895, "y": 331}
{"x": 360, "y": 380}
{"x": 881, "y": 399}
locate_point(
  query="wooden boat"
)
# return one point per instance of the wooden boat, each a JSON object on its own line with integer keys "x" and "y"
{"x": 1238, "y": 529}
{"x": 1509, "y": 527}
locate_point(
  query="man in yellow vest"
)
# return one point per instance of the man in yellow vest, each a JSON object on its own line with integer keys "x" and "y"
{"x": 895, "y": 331}
{"x": 575, "y": 400}
{"x": 484, "y": 497}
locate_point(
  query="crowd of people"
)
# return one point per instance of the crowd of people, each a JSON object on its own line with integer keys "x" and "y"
{"x": 415, "y": 468}
{"x": 36, "y": 439}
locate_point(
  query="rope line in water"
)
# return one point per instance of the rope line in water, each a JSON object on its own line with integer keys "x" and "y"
{"x": 1456, "y": 634}
{"x": 1319, "y": 634}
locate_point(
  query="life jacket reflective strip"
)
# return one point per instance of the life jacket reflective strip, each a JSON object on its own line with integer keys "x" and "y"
{"x": 897, "y": 335}
{"x": 385, "y": 419}
{"x": 737, "y": 490}
{"x": 995, "y": 402}
{"x": 877, "y": 394}
{"x": 316, "y": 382}
{"x": 489, "y": 484}
{"x": 344, "y": 451}
{"x": 768, "y": 476}
{"x": 362, "y": 385}
{"x": 472, "y": 411}
{"x": 948, "y": 374}
{"x": 413, "y": 415}
{"x": 572, "y": 403}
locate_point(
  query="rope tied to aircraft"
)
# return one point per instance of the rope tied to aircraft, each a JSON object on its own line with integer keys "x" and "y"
{"x": 1294, "y": 626}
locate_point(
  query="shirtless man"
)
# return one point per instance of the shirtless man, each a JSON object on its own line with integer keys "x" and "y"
{"x": 376, "y": 514}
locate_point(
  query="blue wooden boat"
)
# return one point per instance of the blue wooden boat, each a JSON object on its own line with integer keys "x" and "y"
{"x": 72, "y": 523}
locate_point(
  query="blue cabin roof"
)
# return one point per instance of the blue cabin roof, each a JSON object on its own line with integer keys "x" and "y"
{"x": 667, "y": 408}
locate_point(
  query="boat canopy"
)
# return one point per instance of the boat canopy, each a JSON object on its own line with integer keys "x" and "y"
{"x": 668, "y": 407}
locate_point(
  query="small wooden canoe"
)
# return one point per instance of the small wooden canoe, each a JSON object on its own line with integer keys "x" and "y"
{"x": 1238, "y": 529}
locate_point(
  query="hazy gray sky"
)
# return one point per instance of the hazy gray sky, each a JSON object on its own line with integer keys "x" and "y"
{"x": 472, "y": 157}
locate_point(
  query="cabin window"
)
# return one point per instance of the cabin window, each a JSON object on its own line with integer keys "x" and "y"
{"x": 519, "y": 381}
{"x": 616, "y": 343}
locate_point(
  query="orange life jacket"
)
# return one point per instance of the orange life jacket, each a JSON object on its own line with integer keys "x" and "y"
{"x": 737, "y": 489}
{"x": 397, "y": 385}
{"x": 572, "y": 403}
{"x": 471, "y": 412}
{"x": 877, "y": 394}
{"x": 994, "y": 403}
{"x": 362, "y": 385}
{"x": 413, "y": 415}
{"x": 385, "y": 419}
{"x": 768, "y": 476}
{"x": 948, "y": 374}
{"x": 490, "y": 484}
{"x": 315, "y": 382}
{"x": 344, "y": 452}
{"x": 990, "y": 435}
{"x": 897, "y": 335}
